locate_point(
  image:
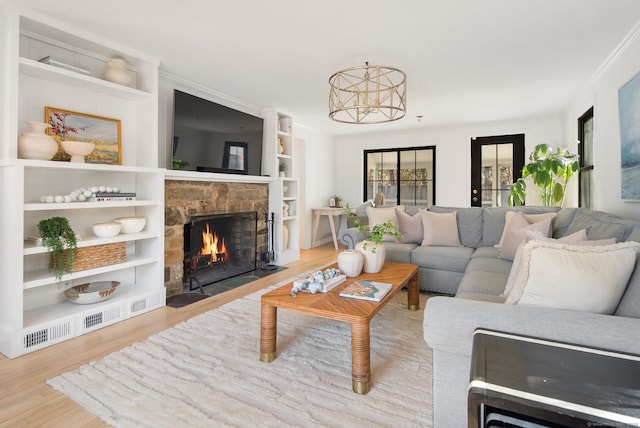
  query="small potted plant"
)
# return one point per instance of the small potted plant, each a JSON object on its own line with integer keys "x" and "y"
{"x": 60, "y": 239}
{"x": 371, "y": 247}
{"x": 282, "y": 168}
{"x": 337, "y": 201}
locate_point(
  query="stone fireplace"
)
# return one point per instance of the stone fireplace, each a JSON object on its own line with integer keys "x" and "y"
{"x": 187, "y": 199}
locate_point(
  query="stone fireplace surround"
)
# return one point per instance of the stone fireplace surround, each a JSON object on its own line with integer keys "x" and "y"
{"x": 187, "y": 198}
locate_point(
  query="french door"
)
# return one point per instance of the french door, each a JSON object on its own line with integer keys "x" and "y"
{"x": 496, "y": 162}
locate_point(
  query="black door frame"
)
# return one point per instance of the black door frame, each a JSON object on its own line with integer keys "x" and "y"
{"x": 476, "y": 155}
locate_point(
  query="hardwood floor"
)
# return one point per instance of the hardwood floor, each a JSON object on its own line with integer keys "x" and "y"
{"x": 27, "y": 401}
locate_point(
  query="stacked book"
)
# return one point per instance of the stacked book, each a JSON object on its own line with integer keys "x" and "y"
{"x": 366, "y": 290}
{"x": 111, "y": 196}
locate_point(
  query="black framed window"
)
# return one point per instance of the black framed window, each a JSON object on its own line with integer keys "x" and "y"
{"x": 585, "y": 150}
{"x": 405, "y": 176}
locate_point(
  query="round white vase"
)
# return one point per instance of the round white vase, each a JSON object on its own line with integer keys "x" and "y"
{"x": 36, "y": 144}
{"x": 285, "y": 237}
{"x": 117, "y": 72}
{"x": 77, "y": 149}
{"x": 350, "y": 263}
{"x": 373, "y": 261}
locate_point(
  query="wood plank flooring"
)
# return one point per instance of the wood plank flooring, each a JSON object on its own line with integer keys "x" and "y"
{"x": 27, "y": 401}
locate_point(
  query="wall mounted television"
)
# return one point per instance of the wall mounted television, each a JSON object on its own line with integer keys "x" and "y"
{"x": 211, "y": 137}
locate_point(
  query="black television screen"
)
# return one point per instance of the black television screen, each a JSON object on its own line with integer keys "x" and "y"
{"x": 210, "y": 137}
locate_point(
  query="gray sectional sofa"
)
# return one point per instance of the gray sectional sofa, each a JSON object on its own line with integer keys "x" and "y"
{"x": 470, "y": 279}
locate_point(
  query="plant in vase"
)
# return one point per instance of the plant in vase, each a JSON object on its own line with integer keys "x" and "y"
{"x": 550, "y": 171}
{"x": 60, "y": 239}
{"x": 371, "y": 247}
{"x": 337, "y": 201}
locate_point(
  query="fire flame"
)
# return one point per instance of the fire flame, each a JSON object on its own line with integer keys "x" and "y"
{"x": 213, "y": 246}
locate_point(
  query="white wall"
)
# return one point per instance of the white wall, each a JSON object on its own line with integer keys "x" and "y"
{"x": 318, "y": 179}
{"x": 602, "y": 94}
{"x": 453, "y": 153}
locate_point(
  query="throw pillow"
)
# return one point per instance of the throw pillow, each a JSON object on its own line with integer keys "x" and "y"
{"x": 574, "y": 277}
{"x": 382, "y": 215}
{"x": 519, "y": 226}
{"x": 410, "y": 227}
{"x": 531, "y": 235}
{"x": 531, "y": 218}
{"x": 440, "y": 229}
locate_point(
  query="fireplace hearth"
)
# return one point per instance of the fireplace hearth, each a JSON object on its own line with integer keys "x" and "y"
{"x": 219, "y": 246}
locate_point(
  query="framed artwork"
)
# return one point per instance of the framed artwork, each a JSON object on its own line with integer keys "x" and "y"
{"x": 235, "y": 157}
{"x": 629, "y": 106}
{"x": 104, "y": 132}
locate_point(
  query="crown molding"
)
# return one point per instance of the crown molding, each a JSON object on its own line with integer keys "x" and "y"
{"x": 617, "y": 52}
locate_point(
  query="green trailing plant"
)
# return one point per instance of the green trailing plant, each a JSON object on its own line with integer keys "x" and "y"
{"x": 60, "y": 240}
{"x": 550, "y": 171}
{"x": 376, "y": 233}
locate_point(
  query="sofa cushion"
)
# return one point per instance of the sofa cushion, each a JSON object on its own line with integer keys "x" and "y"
{"x": 491, "y": 252}
{"x": 530, "y": 218}
{"x": 440, "y": 229}
{"x": 445, "y": 258}
{"x": 398, "y": 252}
{"x": 409, "y": 226}
{"x": 469, "y": 224}
{"x": 599, "y": 225}
{"x": 515, "y": 236}
{"x": 489, "y": 283}
{"x": 574, "y": 277}
{"x": 493, "y": 219}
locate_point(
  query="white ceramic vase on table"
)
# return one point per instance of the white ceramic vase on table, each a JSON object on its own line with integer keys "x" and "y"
{"x": 373, "y": 256}
{"x": 36, "y": 144}
{"x": 350, "y": 263}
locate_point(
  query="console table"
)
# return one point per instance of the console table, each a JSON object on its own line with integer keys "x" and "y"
{"x": 518, "y": 380}
{"x": 330, "y": 213}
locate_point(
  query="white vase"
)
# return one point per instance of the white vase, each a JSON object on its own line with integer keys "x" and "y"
{"x": 36, "y": 144}
{"x": 350, "y": 263}
{"x": 117, "y": 72}
{"x": 373, "y": 256}
{"x": 285, "y": 237}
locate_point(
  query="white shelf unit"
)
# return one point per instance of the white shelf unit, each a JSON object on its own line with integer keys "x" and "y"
{"x": 33, "y": 311}
{"x": 279, "y": 132}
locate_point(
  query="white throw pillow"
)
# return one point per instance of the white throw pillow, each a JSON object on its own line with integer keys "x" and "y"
{"x": 531, "y": 218}
{"x": 440, "y": 229}
{"x": 574, "y": 277}
{"x": 382, "y": 215}
{"x": 530, "y": 235}
{"x": 519, "y": 226}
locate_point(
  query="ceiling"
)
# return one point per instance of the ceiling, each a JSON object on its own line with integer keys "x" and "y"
{"x": 465, "y": 60}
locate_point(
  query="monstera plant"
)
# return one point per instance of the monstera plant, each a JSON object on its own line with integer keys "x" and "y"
{"x": 550, "y": 170}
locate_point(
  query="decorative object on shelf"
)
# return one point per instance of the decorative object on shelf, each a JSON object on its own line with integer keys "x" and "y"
{"x": 318, "y": 282}
{"x": 282, "y": 149}
{"x": 285, "y": 209}
{"x": 36, "y": 144}
{"x": 285, "y": 124}
{"x": 368, "y": 94}
{"x": 117, "y": 72}
{"x": 58, "y": 236}
{"x": 99, "y": 255}
{"x": 550, "y": 171}
{"x": 91, "y": 194}
{"x": 351, "y": 262}
{"x": 104, "y": 132}
{"x": 131, "y": 224}
{"x": 335, "y": 201}
{"x": 106, "y": 230}
{"x": 57, "y": 62}
{"x": 77, "y": 149}
{"x": 91, "y": 292}
{"x": 285, "y": 237}
{"x": 282, "y": 168}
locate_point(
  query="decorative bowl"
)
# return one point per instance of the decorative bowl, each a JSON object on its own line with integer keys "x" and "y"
{"x": 106, "y": 230}
{"x": 131, "y": 224}
{"x": 77, "y": 149}
{"x": 91, "y": 292}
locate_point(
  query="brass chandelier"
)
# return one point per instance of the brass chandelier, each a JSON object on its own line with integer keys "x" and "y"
{"x": 368, "y": 94}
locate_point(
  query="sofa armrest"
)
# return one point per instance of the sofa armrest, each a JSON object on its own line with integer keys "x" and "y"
{"x": 351, "y": 236}
{"x": 449, "y": 324}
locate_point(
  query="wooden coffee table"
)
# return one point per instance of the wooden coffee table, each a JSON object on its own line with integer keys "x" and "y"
{"x": 331, "y": 305}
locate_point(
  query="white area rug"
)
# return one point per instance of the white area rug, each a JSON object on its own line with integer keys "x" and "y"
{"x": 206, "y": 372}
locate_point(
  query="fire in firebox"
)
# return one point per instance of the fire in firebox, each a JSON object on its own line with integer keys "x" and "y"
{"x": 213, "y": 246}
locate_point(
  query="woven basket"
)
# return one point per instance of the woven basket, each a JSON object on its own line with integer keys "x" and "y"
{"x": 97, "y": 256}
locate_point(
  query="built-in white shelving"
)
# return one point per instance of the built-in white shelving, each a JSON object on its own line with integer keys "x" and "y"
{"x": 33, "y": 311}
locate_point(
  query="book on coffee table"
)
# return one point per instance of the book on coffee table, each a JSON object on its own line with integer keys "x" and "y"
{"x": 366, "y": 290}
